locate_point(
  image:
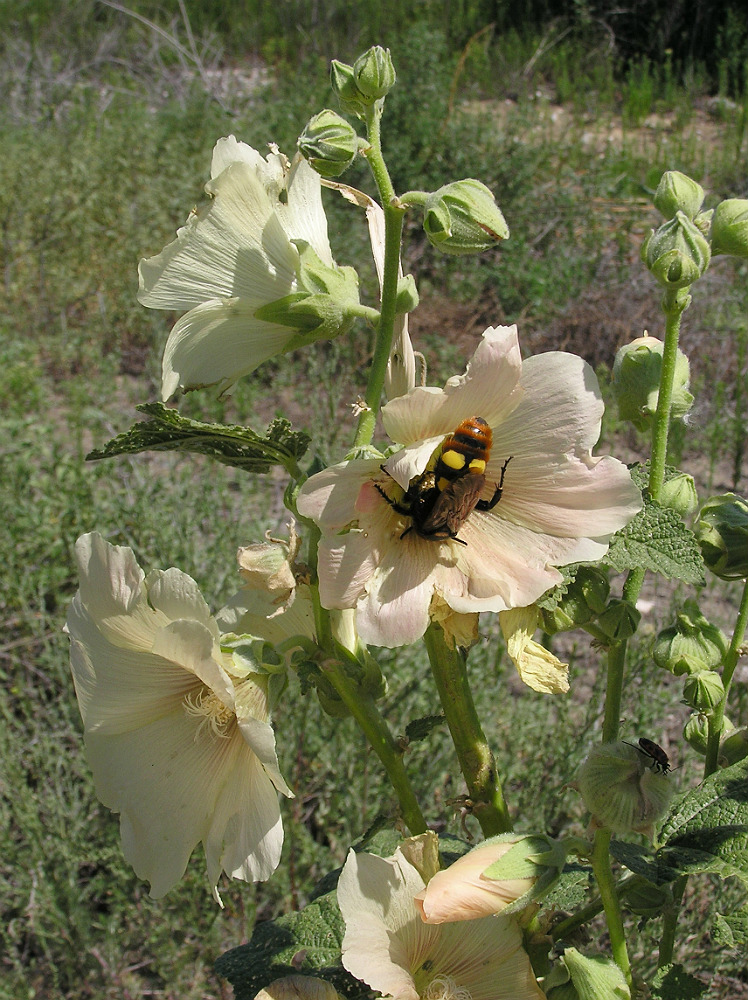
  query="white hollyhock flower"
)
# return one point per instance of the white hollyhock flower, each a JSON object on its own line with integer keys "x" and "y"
{"x": 388, "y": 946}
{"x": 233, "y": 256}
{"x": 176, "y": 733}
{"x": 559, "y": 504}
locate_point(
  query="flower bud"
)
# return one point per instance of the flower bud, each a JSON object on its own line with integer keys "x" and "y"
{"x": 677, "y": 253}
{"x": 407, "y": 295}
{"x": 463, "y": 218}
{"x": 621, "y": 790}
{"x": 696, "y": 731}
{"x": 585, "y": 598}
{"x": 704, "y": 691}
{"x": 374, "y": 73}
{"x": 679, "y": 494}
{"x": 343, "y": 83}
{"x": 491, "y": 877}
{"x": 722, "y": 533}
{"x": 636, "y": 382}
{"x": 577, "y": 977}
{"x": 619, "y": 621}
{"x": 691, "y": 645}
{"x": 730, "y": 227}
{"x": 678, "y": 193}
{"x": 734, "y": 747}
{"x": 329, "y": 143}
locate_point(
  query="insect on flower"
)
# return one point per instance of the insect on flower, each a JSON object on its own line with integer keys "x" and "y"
{"x": 660, "y": 760}
{"x": 439, "y": 501}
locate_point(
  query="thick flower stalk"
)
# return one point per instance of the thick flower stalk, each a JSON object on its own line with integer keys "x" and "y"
{"x": 556, "y": 504}
{"x": 177, "y": 732}
{"x": 238, "y": 266}
{"x": 390, "y": 948}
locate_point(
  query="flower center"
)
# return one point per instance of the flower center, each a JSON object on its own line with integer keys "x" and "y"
{"x": 445, "y": 988}
{"x": 208, "y": 707}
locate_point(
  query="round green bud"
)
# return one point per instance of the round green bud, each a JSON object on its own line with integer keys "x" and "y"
{"x": 696, "y": 732}
{"x": 730, "y": 227}
{"x": 407, "y": 295}
{"x": 678, "y": 193}
{"x": 619, "y": 621}
{"x": 722, "y": 534}
{"x": 734, "y": 747}
{"x": 704, "y": 691}
{"x": 329, "y": 143}
{"x": 636, "y": 382}
{"x": 463, "y": 218}
{"x": 374, "y": 73}
{"x": 679, "y": 494}
{"x": 585, "y": 598}
{"x": 343, "y": 83}
{"x": 576, "y": 977}
{"x": 677, "y": 253}
{"x": 622, "y": 790}
{"x": 690, "y": 645}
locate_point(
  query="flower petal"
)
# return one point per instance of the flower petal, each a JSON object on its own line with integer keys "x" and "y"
{"x": 538, "y": 668}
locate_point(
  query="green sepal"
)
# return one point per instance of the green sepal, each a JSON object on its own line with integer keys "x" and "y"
{"x": 239, "y": 447}
{"x": 305, "y": 942}
{"x": 656, "y": 540}
{"x": 578, "y": 977}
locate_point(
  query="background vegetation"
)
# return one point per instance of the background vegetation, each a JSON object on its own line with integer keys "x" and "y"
{"x": 570, "y": 114}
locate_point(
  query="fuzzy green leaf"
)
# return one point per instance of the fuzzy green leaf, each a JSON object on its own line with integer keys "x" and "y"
{"x": 420, "y": 729}
{"x": 657, "y": 540}
{"x": 672, "y": 982}
{"x": 730, "y": 930}
{"x": 237, "y": 446}
{"x": 307, "y": 942}
{"x": 571, "y": 890}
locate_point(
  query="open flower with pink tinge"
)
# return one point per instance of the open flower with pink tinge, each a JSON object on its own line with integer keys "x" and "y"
{"x": 559, "y": 504}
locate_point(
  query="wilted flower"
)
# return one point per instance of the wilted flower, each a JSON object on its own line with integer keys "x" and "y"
{"x": 242, "y": 254}
{"x": 538, "y": 668}
{"x": 558, "y": 505}
{"x": 389, "y": 947}
{"x": 177, "y": 732}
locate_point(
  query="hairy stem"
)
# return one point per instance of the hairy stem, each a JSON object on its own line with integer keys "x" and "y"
{"x": 731, "y": 661}
{"x": 477, "y": 764}
{"x": 607, "y": 889}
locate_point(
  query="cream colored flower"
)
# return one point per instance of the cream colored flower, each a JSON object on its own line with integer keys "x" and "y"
{"x": 177, "y": 734}
{"x": 559, "y": 504}
{"x": 233, "y": 256}
{"x": 389, "y": 947}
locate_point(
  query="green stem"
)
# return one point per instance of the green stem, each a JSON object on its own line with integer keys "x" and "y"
{"x": 670, "y": 922}
{"x": 394, "y": 214}
{"x": 364, "y": 710}
{"x": 609, "y": 897}
{"x": 731, "y": 661}
{"x": 674, "y": 304}
{"x": 449, "y": 667}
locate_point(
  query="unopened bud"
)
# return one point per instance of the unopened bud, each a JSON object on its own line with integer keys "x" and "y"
{"x": 619, "y": 621}
{"x": 679, "y": 494}
{"x": 677, "y": 253}
{"x": 696, "y": 732}
{"x": 704, "y": 691}
{"x": 730, "y": 227}
{"x": 621, "y": 790}
{"x": 577, "y": 977}
{"x": 722, "y": 533}
{"x": 678, "y": 193}
{"x": 343, "y": 83}
{"x": 463, "y": 218}
{"x": 374, "y": 73}
{"x": 329, "y": 143}
{"x": 407, "y": 295}
{"x": 690, "y": 645}
{"x": 636, "y": 382}
{"x": 585, "y": 598}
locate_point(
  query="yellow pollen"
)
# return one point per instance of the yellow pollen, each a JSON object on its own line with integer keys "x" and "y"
{"x": 453, "y": 459}
{"x": 445, "y": 988}
{"x": 207, "y": 706}
{"x": 477, "y": 465}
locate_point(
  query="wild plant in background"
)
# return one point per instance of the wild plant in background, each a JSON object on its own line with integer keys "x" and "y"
{"x": 487, "y": 501}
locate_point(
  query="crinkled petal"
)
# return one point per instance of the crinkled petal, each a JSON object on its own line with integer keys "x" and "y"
{"x": 330, "y": 497}
{"x": 260, "y": 738}
{"x": 538, "y": 668}
{"x": 176, "y": 595}
{"x": 346, "y": 563}
{"x": 235, "y": 246}
{"x": 230, "y": 150}
{"x": 217, "y": 343}
{"x": 489, "y": 389}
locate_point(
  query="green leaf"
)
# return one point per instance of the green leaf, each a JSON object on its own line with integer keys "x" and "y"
{"x": 672, "y": 982}
{"x": 420, "y": 729}
{"x": 307, "y": 942}
{"x": 571, "y": 890}
{"x": 730, "y": 930}
{"x": 237, "y": 446}
{"x": 707, "y": 830}
{"x": 657, "y": 540}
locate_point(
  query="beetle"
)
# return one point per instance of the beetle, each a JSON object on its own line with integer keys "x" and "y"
{"x": 439, "y": 502}
{"x": 660, "y": 760}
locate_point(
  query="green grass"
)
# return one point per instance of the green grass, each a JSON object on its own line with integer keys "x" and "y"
{"x": 90, "y": 182}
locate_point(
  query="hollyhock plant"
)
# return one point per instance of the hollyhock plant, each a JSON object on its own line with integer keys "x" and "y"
{"x": 389, "y": 947}
{"x": 177, "y": 733}
{"x": 557, "y": 504}
{"x": 239, "y": 253}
